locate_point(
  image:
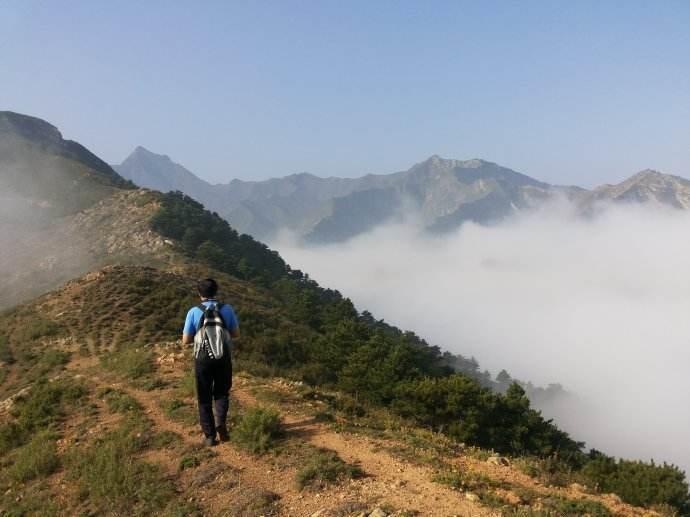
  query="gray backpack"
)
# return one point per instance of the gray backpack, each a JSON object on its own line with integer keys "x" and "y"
{"x": 212, "y": 340}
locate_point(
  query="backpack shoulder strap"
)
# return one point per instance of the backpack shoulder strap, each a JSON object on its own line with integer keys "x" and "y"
{"x": 219, "y": 306}
{"x": 203, "y": 308}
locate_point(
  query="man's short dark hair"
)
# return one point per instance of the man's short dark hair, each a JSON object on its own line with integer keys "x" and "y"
{"x": 207, "y": 287}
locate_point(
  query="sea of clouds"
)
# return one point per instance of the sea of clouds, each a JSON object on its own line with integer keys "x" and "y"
{"x": 600, "y": 305}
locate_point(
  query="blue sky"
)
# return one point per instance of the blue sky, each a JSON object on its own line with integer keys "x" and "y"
{"x": 579, "y": 92}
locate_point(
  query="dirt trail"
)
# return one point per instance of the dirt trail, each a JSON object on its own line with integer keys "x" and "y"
{"x": 395, "y": 482}
{"x": 388, "y": 480}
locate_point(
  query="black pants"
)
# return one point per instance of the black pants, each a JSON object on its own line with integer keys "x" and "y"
{"x": 213, "y": 383}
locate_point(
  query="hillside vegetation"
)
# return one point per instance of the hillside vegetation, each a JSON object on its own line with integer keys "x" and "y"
{"x": 379, "y": 365}
{"x": 97, "y": 404}
{"x": 99, "y": 413}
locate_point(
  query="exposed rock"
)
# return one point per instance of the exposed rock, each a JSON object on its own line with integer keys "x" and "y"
{"x": 471, "y": 497}
{"x": 578, "y": 487}
{"x": 511, "y": 498}
{"x": 7, "y": 404}
{"x": 378, "y": 512}
{"x": 613, "y": 498}
{"x": 498, "y": 460}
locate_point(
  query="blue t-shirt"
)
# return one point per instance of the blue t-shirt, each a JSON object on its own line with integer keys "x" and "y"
{"x": 191, "y": 324}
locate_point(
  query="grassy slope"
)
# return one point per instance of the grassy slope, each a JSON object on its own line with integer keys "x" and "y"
{"x": 118, "y": 425}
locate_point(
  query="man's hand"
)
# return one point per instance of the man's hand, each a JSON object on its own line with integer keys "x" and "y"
{"x": 187, "y": 339}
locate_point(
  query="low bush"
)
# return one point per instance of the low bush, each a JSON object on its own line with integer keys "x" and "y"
{"x": 118, "y": 401}
{"x": 180, "y": 411}
{"x": 192, "y": 457}
{"x": 550, "y": 470}
{"x": 110, "y": 476}
{"x": 574, "y": 507}
{"x": 36, "y": 459}
{"x": 325, "y": 467}
{"x": 186, "y": 385}
{"x": 131, "y": 363}
{"x": 637, "y": 482}
{"x": 5, "y": 350}
{"x": 40, "y": 409}
{"x": 257, "y": 430}
{"x": 36, "y": 327}
{"x": 189, "y": 462}
{"x": 50, "y": 359}
{"x": 166, "y": 440}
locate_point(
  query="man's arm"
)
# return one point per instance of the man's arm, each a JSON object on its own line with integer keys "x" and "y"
{"x": 230, "y": 320}
{"x": 189, "y": 328}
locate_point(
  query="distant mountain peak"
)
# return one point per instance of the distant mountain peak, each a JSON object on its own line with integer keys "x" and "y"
{"x": 158, "y": 171}
{"x": 648, "y": 185}
{"x": 141, "y": 152}
{"x": 647, "y": 174}
{"x": 31, "y": 128}
{"x": 451, "y": 163}
{"x": 647, "y": 177}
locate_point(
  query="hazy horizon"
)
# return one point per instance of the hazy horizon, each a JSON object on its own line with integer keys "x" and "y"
{"x": 570, "y": 93}
{"x": 598, "y": 305}
{"x": 383, "y": 173}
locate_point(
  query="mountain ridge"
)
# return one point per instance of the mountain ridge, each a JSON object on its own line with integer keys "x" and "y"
{"x": 446, "y": 192}
{"x": 319, "y": 208}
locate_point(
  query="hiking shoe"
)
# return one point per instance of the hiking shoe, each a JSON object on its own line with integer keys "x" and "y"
{"x": 210, "y": 441}
{"x": 223, "y": 435}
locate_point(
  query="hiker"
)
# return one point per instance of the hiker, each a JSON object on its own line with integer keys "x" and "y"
{"x": 210, "y": 326}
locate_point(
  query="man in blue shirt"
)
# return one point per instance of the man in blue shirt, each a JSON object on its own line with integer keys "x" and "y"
{"x": 213, "y": 375}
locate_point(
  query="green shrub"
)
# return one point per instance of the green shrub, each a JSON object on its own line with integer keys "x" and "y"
{"x": 118, "y": 401}
{"x": 257, "y": 430}
{"x": 110, "y": 476}
{"x": 131, "y": 363}
{"x": 192, "y": 457}
{"x": 11, "y": 436}
{"x": 166, "y": 440}
{"x": 37, "y": 327}
{"x": 492, "y": 499}
{"x": 36, "y": 459}
{"x": 550, "y": 470}
{"x": 638, "y": 483}
{"x": 5, "y": 350}
{"x": 325, "y": 467}
{"x": 186, "y": 386}
{"x": 42, "y": 502}
{"x": 40, "y": 409}
{"x": 574, "y": 507}
{"x": 49, "y": 360}
{"x": 180, "y": 411}
{"x": 189, "y": 462}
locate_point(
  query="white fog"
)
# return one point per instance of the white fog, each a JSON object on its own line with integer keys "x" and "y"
{"x": 601, "y": 306}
